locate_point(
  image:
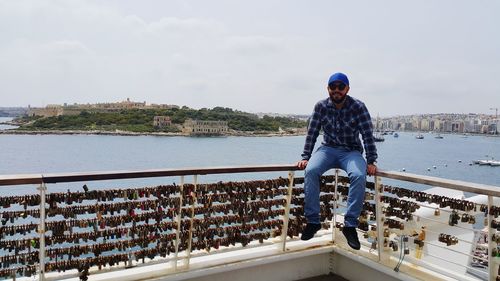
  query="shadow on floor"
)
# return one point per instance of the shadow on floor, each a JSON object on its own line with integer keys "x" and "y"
{"x": 329, "y": 277}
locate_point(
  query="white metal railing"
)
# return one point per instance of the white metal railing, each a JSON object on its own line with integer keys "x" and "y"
{"x": 489, "y": 192}
{"x": 384, "y": 255}
{"x": 43, "y": 180}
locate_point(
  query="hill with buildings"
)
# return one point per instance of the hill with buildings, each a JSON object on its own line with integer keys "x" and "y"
{"x": 139, "y": 117}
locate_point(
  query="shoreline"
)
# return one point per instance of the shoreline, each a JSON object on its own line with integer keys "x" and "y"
{"x": 165, "y": 134}
{"x": 127, "y": 133}
{"x": 456, "y": 134}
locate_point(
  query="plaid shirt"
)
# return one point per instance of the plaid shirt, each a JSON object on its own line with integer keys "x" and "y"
{"x": 341, "y": 127}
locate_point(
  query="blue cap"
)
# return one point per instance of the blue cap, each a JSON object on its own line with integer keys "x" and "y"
{"x": 338, "y": 77}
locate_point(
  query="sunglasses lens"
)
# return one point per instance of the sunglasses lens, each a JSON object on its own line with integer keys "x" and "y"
{"x": 340, "y": 86}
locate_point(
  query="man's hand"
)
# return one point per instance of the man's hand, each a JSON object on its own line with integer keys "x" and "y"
{"x": 371, "y": 169}
{"x": 302, "y": 164}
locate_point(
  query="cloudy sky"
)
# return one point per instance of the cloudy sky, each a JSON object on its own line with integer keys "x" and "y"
{"x": 402, "y": 57}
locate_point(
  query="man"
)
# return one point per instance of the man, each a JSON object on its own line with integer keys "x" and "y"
{"x": 342, "y": 119}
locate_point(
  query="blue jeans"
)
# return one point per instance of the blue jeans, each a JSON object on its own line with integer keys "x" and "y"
{"x": 323, "y": 159}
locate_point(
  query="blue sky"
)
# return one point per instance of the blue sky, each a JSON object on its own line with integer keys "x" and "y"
{"x": 402, "y": 57}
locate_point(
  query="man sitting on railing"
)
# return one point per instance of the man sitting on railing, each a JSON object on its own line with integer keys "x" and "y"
{"x": 342, "y": 119}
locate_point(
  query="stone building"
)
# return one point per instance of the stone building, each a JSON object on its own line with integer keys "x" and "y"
{"x": 75, "y": 109}
{"x": 162, "y": 121}
{"x": 48, "y": 111}
{"x": 198, "y": 127}
{"x": 53, "y": 110}
{"x": 112, "y": 106}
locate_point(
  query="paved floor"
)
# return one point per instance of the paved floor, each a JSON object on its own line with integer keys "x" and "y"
{"x": 330, "y": 277}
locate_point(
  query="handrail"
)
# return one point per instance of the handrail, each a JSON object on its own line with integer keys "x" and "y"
{"x": 435, "y": 181}
{"x": 20, "y": 179}
{"x": 113, "y": 175}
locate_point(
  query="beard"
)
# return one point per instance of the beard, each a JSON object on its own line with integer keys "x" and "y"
{"x": 338, "y": 99}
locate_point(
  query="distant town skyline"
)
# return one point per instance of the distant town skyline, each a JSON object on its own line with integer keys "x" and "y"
{"x": 273, "y": 56}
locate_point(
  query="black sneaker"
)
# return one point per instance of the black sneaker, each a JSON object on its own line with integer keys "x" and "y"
{"x": 310, "y": 230}
{"x": 352, "y": 237}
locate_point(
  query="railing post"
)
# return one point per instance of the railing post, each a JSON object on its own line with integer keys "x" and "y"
{"x": 335, "y": 202}
{"x": 190, "y": 241}
{"x": 179, "y": 220}
{"x": 380, "y": 218}
{"x": 41, "y": 231}
{"x": 286, "y": 217}
{"x": 491, "y": 244}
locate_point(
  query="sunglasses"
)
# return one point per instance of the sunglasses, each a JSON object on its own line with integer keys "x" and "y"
{"x": 340, "y": 86}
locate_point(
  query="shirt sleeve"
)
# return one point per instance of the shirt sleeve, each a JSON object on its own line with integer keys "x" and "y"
{"x": 366, "y": 130}
{"x": 312, "y": 132}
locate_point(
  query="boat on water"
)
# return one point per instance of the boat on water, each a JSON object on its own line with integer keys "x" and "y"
{"x": 438, "y": 136}
{"x": 378, "y": 138}
{"x": 419, "y": 136}
{"x": 486, "y": 162}
{"x": 396, "y": 135}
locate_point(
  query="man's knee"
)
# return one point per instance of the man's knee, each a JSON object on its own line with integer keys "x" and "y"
{"x": 313, "y": 171}
{"x": 357, "y": 176}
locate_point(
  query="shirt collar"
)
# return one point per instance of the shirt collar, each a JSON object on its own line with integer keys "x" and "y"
{"x": 347, "y": 102}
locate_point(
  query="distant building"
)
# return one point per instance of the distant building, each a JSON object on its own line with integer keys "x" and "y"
{"x": 407, "y": 126}
{"x": 53, "y": 110}
{"x": 493, "y": 128}
{"x": 162, "y": 121}
{"x": 162, "y": 106}
{"x": 425, "y": 125}
{"x": 127, "y": 104}
{"x": 132, "y": 104}
{"x": 198, "y": 127}
{"x": 48, "y": 111}
{"x": 75, "y": 109}
{"x": 457, "y": 127}
{"x": 444, "y": 122}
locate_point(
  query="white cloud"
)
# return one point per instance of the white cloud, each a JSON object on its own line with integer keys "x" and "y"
{"x": 258, "y": 45}
{"x": 178, "y": 25}
{"x": 422, "y": 57}
{"x": 65, "y": 48}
